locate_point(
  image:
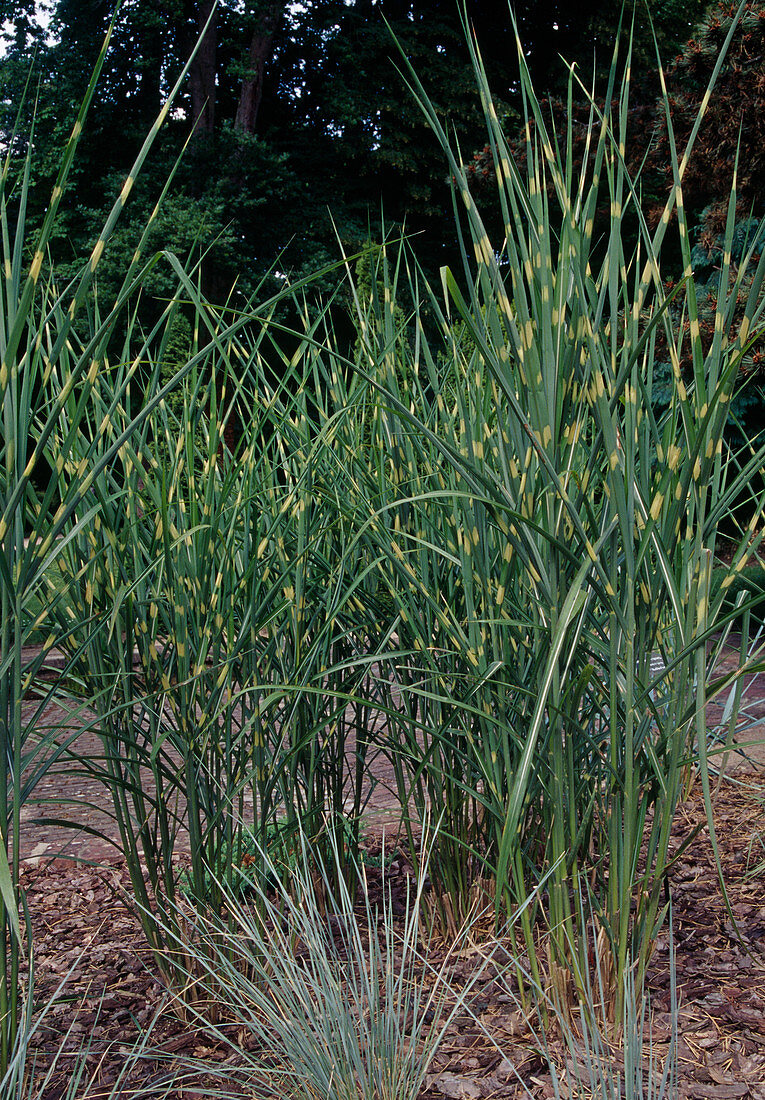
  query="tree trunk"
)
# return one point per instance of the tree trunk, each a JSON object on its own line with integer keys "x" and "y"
{"x": 257, "y": 56}
{"x": 203, "y": 67}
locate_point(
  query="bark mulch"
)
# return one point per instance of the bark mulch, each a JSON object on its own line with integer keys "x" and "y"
{"x": 84, "y": 931}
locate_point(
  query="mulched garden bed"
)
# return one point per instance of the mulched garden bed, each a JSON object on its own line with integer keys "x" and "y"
{"x": 82, "y": 928}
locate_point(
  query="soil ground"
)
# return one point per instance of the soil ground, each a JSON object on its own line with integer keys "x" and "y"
{"x": 84, "y": 929}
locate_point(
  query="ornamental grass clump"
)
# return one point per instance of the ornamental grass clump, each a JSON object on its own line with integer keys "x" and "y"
{"x": 467, "y": 536}
{"x": 547, "y": 537}
{"x": 221, "y": 632}
{"x": 327, "y": 996}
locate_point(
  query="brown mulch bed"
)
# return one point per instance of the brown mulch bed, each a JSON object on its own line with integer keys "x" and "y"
{"x": 82, "y": 929}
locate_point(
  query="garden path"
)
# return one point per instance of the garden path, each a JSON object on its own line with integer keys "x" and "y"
{"x": 64, "y": 794}
{"x": 92, "y": 835}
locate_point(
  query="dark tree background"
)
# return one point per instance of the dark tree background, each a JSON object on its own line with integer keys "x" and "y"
{"x": 303, "y": 128}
